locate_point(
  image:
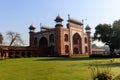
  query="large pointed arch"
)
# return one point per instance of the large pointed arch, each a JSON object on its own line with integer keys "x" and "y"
{"x": 43, "y": 42}
{"x": 77, "y": 44}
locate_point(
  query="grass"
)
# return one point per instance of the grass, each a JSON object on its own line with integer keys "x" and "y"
{"x": 51, "y": 68}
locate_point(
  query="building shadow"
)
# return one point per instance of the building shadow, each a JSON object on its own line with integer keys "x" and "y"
{"x": 116, "y": 64}
{"x": 67, "y": 58}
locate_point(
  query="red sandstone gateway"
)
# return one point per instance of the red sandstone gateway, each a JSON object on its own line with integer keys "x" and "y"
{"x": 60, "y": 40}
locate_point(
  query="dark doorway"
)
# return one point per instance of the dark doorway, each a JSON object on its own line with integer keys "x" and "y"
{"x": 43, "y": 43}
{"x": 51, "y": 50}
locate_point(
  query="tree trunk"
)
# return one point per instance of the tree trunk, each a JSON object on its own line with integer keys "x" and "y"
{"x": 111, "y": 50}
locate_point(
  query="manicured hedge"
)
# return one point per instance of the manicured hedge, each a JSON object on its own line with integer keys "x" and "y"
{"x": 103, "y": 55}
{"x": 99, "y": 55}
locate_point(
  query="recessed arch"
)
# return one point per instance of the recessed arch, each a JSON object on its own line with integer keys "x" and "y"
{"x": 77, "y": 44}
{"x": 86, "y": 49}
{"x": 51, "y": 50}
{"x": 66, "y": 49}
{"x": 43, "y": 42}
{"x": 66, "y": 37}
{"x": 51, "y": 37}
{"x": 35, "y": 41}
{"x": 85, "y": 40}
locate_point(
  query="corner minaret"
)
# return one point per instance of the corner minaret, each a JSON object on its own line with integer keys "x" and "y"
{"x": 59, "y": 36}
{"x": 88, "y": 32}
{"x": 31, "y": 35}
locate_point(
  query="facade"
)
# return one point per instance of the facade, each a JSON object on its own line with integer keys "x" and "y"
{"x": 60, "y": 40}
{"x": 71, "y": 40}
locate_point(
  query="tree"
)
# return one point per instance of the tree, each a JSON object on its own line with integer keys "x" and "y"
{"x": 1, "y": 41}
{"x": 14, "y": 39}
{"x": 108, "y": 34}
{"x": 115, "y": 39}
{"x": 94, "y": 46}
{"x": 103, "y": 33}
{"x": 1, "y": 38}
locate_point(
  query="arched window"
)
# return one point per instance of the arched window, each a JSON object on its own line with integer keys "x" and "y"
{"x": 51, "y": 38}
{"x": 85, "y": 40}
{"x": 43, "y": 42}
{"x": 35, "y": 41}
{"x": 66, "y": 37}
{"x": 66, "y": 49}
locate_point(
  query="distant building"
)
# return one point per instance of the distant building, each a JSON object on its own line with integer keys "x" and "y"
{"x": 57, "y": 41}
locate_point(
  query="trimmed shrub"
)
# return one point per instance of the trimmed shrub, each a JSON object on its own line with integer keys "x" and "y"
{"x": 101, "y": 71}
{"x": 99, "y": 55}
{"x": 18, "y": 56}
{"x": 117, "y": 77}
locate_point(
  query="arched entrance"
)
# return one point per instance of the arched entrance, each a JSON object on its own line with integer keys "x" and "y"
{"x": 43, "y": 43}
{"x": 66, "y": 49}
{"x": 77, "y": 46}
{"x": 51, "y": 50}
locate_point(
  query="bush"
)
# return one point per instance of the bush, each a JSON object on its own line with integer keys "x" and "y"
{"x": 101, "y": 71}
{"x": 117, "y": 77}
{"x": 114, "y": 55}
{"x": 18, "y": 56}
{"x": 98, "y": 55}
{"x": 103, "y": 76}
{"x": 11, "y": 56}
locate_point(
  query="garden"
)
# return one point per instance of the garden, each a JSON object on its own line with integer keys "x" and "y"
{"x": 55, "y": 68}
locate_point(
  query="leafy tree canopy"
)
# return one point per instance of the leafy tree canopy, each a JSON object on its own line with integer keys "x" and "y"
{"x": 108, "y": 34}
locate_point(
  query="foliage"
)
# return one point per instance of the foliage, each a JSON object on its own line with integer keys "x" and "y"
{"x": 102, "y": 33}
{"x": 99, "y": 56}
{"x": 2, "y": 53}
{"x": 116, "y": 34}
{"x": 117, "y": 77}
{"x": 94, "y": 46}
{"x": 1, "y": 49}
{"x": 100, "y": 72}
{"x": 1, "y": 38}
{"x": 108, "y": 34}
{"x": 14, "y": 39}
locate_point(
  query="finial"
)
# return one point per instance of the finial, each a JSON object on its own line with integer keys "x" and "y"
{"x": 82, "y": 21}
{"x": 68, "y": 16}
{"x": 40, "y": 24}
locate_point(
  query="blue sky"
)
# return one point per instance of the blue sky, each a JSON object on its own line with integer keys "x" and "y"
{"x": 18, "y": 15}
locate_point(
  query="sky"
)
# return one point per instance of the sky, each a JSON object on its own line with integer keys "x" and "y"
{"x": 18, "y": 15}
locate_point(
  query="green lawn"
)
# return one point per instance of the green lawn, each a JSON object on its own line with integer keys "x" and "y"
{"x": 51, "y": 68}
